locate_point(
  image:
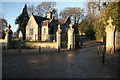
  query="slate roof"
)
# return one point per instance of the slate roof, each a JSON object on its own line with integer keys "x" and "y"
{"x": 39, "y": 19}
{"x": 42, "y": 21}
{"x": 45, "y": 23}
{"x": 63, "y": 20}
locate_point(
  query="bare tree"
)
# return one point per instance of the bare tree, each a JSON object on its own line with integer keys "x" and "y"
{"x": 42, "y": 8}
{"x": 47, "y": 6}
{"x": 93, "y": 9}
{"x": 3, "y": 23}
{"x": 76, "y": 14}
{"x": 31, "y": 9}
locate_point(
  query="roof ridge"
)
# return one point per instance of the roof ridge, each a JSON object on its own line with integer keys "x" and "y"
{"x": 66, "y": 19}
{"x": 48, "y": 20}
{"x": 38, "y": 19}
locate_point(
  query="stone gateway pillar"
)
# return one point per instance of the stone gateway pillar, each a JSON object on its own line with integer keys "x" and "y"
{"x": 8, "y": 37}
{"x": 110, "y": 37}
{"x": 58, "y": 33}
{"x": 70, "y": 37}
{"x": 20, "y": 35}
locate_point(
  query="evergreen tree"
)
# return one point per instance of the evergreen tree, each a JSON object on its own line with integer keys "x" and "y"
{"x": 22, "y": 20}
{"x": 112, "y": 10}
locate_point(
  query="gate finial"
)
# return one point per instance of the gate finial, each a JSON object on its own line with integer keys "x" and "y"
{"x": 110, "y": 20}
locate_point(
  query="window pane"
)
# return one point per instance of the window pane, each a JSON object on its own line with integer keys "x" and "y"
{"x": 31, "y": 31}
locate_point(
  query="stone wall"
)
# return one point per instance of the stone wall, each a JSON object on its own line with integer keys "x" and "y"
{"x": 42, "y": 44}
{"x": 3, "y": 43}
{"x": 117, "y": 40}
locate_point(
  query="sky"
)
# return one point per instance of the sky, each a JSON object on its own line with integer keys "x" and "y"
{"x": 11, "y": 10}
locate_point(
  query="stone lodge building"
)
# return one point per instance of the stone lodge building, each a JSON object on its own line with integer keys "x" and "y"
{"x": 44, "y": 28}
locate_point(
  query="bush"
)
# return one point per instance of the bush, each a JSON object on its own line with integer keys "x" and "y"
{"x": 90, "y": 34}
{"x": 118, "y": 51}
{"x": 99, "y": 30}
{"x": 64, "y": 44}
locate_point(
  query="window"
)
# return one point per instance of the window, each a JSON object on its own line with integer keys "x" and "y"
{"x": 31, "y": 31}
{"x": 44, "y": 31}
{"x": 67, "y": 29}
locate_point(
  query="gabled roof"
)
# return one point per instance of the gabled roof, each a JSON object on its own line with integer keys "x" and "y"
{"x": 63, "y": 20}
{"x": 39, "y": 19}
{"x": 46, "y": 22}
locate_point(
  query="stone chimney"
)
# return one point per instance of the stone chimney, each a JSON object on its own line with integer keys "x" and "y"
{"x": 49, "y": 15}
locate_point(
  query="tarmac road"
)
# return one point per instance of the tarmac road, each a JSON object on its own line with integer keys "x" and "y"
{"x": 80, "y": 63}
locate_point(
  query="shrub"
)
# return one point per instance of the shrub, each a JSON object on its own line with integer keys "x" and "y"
{"x": 90, "y": 33}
